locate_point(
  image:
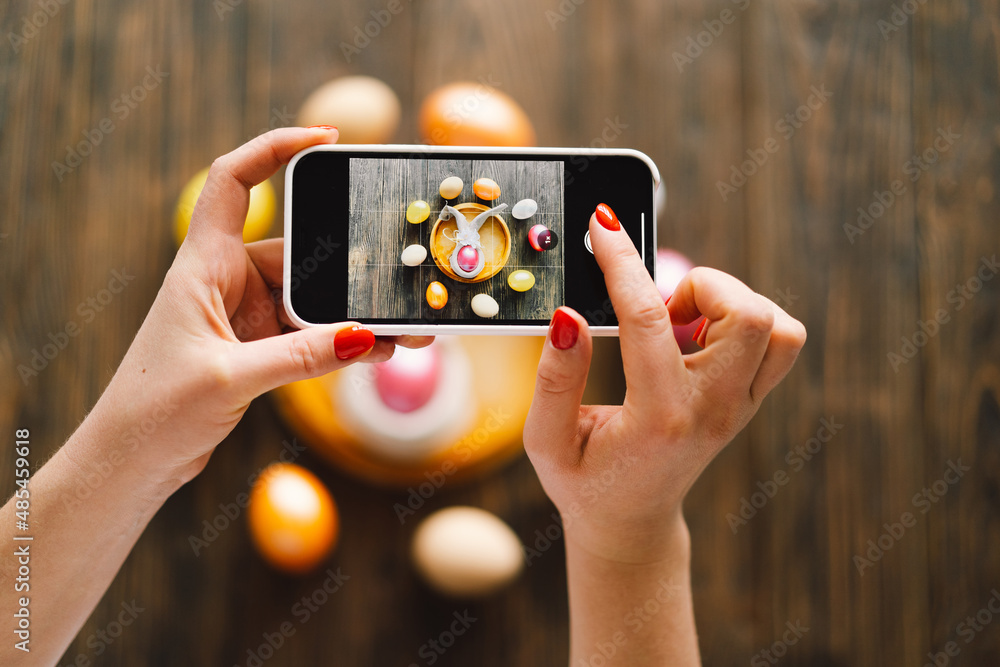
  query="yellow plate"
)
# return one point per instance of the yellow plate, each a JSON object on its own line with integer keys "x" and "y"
{"x": 494, "y": 235}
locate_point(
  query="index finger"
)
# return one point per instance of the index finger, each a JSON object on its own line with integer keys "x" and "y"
{"x": 654, "y": 368}
{"x": 222, "y": 206}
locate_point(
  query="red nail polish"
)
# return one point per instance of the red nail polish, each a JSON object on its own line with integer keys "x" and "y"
{"x": 321, "y": 127}
{"x": 668, "y": 299}
{"x": 698, "y": 330}
{"x": 607, "y": 218}
{"x": 351, "y": 342}
{"x": 565, "y": 330}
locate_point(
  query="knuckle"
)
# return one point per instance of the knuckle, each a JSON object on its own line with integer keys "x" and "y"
{"x": 218, "y": 372}
{"x": 755, "y": 317}
{"x": 305, "y": 356}
{"x": 553, "y": 381}
{"x": 648, "y": 315}
{"x": 797, "y": 334}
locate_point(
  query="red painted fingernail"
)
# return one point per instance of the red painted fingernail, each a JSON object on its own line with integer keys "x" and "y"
{"x": 668, "y": 299}
{"x": 607, "y": 218}
{"x": 321, "y": 127}
{"x": 565, "y": 330}
{"x": 351, "y": 342}
{"x": 698, "y": 330}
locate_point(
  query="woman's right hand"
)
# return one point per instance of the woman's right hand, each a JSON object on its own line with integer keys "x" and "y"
{"x": 618, "y": 474}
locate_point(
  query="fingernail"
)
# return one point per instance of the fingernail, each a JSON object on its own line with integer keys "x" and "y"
{"x": 565, "y": 330}
{"x": 607, "y": 218}
{"x": 698, "y": 330}
{"x": 321, "y": 127}
{"x": 668, "y": 299}
{"x": 353, "y": 341}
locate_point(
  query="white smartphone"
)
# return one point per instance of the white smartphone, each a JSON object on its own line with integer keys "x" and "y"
{"x": 457, "y": 240}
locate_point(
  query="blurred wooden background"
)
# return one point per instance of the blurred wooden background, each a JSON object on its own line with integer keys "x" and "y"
{"x": 579, "y": 68}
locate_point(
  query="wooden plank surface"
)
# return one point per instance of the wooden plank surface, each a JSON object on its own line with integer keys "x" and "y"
{"x": 379, "y": 285}
{"x": 587, "y": 74}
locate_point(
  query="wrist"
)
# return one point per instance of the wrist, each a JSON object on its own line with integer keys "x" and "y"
{"x": 625, "y": 542}
{"x": 116, "y": 447}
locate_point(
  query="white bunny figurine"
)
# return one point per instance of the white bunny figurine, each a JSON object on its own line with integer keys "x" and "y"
{"x": 467, "y": 259}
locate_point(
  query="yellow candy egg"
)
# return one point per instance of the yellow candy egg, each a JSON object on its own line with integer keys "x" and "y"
{"x": 259, "y": 216}
{"x": 418, "y": 211}
{"x": 437, "y": 295}
{"x": 521, "y": 281}
{"x": 451, "y": 187}
{"x": 486, "y": 188}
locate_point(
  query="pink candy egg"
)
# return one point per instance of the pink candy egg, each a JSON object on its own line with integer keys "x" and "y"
{"x": 468, "y": 258}
{"x": 408, "y": 381}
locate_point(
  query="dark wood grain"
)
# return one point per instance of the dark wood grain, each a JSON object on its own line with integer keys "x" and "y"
{"x": 597, "y": 73}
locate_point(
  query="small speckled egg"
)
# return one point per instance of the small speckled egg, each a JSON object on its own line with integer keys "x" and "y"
{"x": 542, "y": 238}
{"x": 486, "y": 188}
{"x": 413, "y": 255}
{"x": 418, "y": 211}
{"x": 466, "y": 552}
{"x": 484, "y": 305}
{"x": 451, "y": 187}
{"x": 437, "y": 295}
{"x": 524, "y": 209}
{"x": 521, "y": 281}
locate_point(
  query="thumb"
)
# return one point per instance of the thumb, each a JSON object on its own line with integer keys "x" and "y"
{"x": 552, "y": 426}
{"x": 264, "y": 364}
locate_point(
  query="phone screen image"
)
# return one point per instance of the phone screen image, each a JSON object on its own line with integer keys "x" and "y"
{"x": 474, "y": 251}
{"x": 417, "y": 239}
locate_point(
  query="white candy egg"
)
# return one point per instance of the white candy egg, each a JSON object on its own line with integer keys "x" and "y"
{"x": 466, "y": 552}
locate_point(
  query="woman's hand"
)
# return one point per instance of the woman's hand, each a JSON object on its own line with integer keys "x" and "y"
{"x": 217, "y": 334}
{"x": 618, "y": 475}
{"x": 215, "y": 337}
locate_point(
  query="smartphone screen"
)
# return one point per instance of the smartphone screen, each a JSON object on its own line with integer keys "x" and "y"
{"x": 352, "y": 212}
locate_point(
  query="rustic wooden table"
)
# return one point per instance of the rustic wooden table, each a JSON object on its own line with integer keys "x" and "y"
{"x": 772, "y": 123}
